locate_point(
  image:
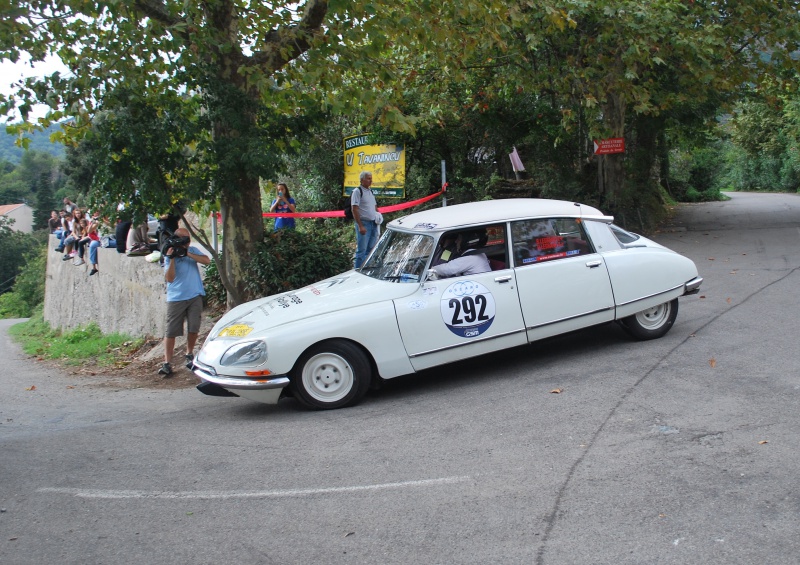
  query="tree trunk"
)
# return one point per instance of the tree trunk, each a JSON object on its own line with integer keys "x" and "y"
{"x": 613, "y": 168}
{"x": 243, "y": 229}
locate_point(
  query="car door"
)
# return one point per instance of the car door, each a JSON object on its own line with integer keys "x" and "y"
{"x": 563, "y": 283}
{"x": 460, "y": 317}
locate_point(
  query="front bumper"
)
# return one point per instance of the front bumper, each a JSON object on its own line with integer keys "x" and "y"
{"x": 266, "y": 390}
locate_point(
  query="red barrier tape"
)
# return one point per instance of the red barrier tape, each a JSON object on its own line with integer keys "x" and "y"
{"x": 340, "y": 213}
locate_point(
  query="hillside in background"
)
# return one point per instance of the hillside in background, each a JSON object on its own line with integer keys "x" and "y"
{"x": 40, "y": 141}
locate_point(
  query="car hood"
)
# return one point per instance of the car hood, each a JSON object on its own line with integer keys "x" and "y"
{"x": 344, "y": 291}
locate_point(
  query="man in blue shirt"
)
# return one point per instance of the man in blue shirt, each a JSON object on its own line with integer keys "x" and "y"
{"x": 184, "y": 298}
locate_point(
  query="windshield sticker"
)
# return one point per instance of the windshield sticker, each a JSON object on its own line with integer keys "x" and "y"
{"x": 417, "y": 305}
{"x": 424, "y": 226}
{"x": 467, "y": 308}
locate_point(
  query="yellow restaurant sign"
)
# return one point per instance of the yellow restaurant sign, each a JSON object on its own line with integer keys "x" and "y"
{"x": 387, "y": 163}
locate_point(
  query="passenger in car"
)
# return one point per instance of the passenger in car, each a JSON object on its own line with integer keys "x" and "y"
{"x": 468, "y": 261}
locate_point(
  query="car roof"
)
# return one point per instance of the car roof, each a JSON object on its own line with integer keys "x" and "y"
{"x": 493, "y": 211}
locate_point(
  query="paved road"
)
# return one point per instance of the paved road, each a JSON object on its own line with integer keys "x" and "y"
{"x": 681, "y": 450}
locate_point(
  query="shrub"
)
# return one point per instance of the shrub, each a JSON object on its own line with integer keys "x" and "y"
{"x": 13, "y": 306}
{"x": 289, "y": 259}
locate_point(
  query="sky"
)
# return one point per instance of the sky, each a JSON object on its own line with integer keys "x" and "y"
{"x": 13, "y": 72}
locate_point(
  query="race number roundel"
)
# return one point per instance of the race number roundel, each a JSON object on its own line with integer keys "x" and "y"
{"x": 467, "y": 308}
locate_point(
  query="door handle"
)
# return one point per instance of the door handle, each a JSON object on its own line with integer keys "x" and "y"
{"x": 503, "y": 279}
{"x": 593, "y": 264}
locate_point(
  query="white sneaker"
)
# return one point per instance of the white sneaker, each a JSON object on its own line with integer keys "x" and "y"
{"x": 78, "y": 262}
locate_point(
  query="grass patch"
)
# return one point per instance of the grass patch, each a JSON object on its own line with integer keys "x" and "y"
{"x": 73, "y": 347}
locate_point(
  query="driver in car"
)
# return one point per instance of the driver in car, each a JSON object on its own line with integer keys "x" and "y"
{"x": 467, "y": 261}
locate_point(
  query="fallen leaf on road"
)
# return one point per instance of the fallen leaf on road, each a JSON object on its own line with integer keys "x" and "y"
{"x": 70, "y": 386}
{"x": 762, "y": 442}
{"x": 728, "y": 300}
{"x": 712, "y": 362}
{"x": 557, "y": 391}
{"x": 348, "y": 534}
{"x": 733, "y": 272}
{"x": 710, "y": 258}
{"x": 702, "y": 296}
{"x": 32, "y": 387}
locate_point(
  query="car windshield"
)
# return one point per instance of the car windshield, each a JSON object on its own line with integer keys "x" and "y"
{"x": 399, "y": 257}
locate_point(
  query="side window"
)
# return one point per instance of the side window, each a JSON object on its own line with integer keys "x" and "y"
{"x": 496, "y": 247}
{"x": 489, "y": 240}
{"x": 624, "y": 237}
{"x": 549, "y": 239}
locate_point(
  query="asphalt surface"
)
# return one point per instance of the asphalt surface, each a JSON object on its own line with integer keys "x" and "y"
{"x": 679, "y": 450}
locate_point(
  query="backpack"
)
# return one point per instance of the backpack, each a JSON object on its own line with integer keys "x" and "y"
{"x": 348, "y": 208}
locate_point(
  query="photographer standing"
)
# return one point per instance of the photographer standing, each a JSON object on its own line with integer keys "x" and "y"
{"x": 184, "y": 295}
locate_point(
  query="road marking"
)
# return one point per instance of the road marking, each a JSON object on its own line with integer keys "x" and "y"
{"x": 116, "y": 494}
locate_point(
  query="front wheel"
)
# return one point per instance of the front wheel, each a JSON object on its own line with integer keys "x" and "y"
{"x": 652, "y": 323}
{"x": 332, "y": 374}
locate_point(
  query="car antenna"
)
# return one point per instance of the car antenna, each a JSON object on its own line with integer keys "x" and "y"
{"x": 580, "y": 210}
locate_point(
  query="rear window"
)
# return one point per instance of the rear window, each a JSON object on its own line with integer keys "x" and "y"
{"x": 624, "y": 237}
{"x": 548, "y": 239}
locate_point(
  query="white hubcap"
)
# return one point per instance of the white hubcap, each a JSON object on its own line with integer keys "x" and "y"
{"x": 654, "y": 318}
{"x": 327, "y": 377}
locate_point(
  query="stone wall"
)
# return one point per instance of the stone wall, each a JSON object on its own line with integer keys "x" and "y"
{"x": 127, "y": 295}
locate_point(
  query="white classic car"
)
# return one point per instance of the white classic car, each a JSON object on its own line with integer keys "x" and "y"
{"x": 444, "y": 285}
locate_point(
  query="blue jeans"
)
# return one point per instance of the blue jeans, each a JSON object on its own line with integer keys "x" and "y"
{"x": 93, "y": 252}
{"x": 365, "y": 243}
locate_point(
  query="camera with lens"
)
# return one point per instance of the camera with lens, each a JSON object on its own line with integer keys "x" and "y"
{"x": 176, "y": 243}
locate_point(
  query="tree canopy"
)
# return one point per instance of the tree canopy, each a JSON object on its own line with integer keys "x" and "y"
{"x": 192, "y": 103}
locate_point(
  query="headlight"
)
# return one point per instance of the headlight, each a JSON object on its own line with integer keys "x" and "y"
{"x": 248, "y": 353}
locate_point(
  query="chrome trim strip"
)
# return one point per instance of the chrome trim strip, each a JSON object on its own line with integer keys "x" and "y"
{"x": 239, "y": 383}
{"x": 420, "y": 354}
{"x": 693, "y": 286}
{"x": 651, "y": 295}
{"x": 606, "y": 309}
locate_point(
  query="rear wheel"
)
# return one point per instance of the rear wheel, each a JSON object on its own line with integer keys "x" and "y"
{"x": 653, "y": 322}
{"x": 332, "y": 374}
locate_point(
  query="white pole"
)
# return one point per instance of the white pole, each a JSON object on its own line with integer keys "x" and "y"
{"x": 444, "y": 181}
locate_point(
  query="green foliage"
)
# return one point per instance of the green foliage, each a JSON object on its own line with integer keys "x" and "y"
{"x": 35, "y": 180}
{"x": 30, "y": 283}
{"x": 39, "y": 141}
{"x": 28, "y": 287}
{"x": 215, "y": 291}
{"x": 697, "y": 175}
{"x": 764, "y": 147}
{"x": 14, "y": 246}
{"x": 290, "y": 259}
{"x": 13, "y": 306}
{"x": 74, "y": 346}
